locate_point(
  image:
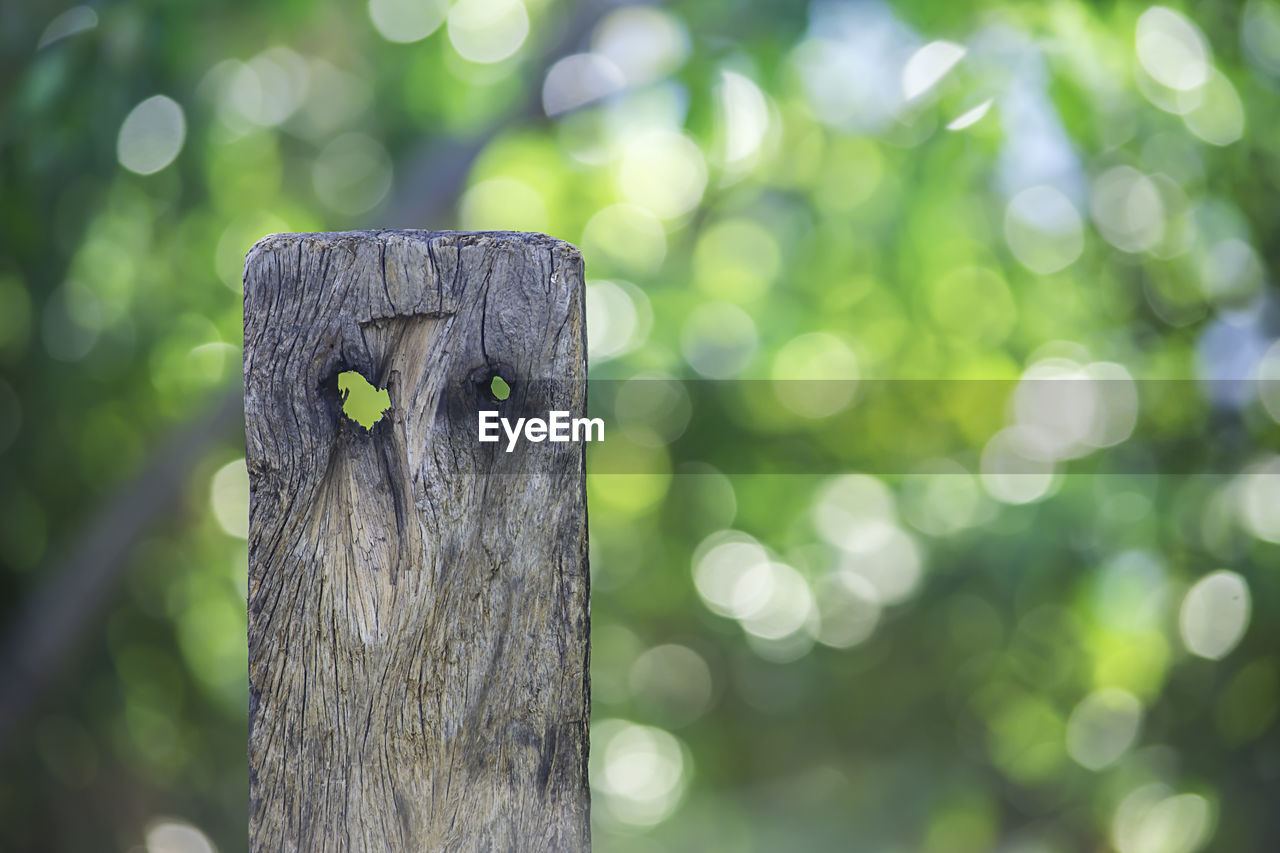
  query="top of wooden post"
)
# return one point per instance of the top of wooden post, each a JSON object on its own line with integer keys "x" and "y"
{"x": 424, "y": 272}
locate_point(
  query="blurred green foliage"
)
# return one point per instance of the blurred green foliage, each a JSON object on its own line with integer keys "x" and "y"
{"x": 361, "y": 401}
{"x": 1004, "y": 649}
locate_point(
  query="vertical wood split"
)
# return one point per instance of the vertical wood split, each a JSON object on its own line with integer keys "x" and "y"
{"x": 418, "y": 601}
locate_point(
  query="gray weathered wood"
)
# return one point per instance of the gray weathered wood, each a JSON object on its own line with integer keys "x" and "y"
{"x": 418, "y": 601}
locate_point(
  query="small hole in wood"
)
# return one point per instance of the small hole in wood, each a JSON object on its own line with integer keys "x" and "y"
{"x": 499, "y": 388}
{"x": 361, "y": 401}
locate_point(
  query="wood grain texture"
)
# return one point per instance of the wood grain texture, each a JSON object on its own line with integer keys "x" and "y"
{"x": 418, "y": 601}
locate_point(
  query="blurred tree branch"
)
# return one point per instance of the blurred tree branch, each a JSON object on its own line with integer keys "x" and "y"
{"x": 47, "y": 625}
{"x": 51, "y": 620}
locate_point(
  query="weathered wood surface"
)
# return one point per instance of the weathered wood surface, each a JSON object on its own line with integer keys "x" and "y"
{"x": 418, "y": 601}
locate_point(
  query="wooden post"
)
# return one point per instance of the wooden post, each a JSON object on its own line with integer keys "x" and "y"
{"x": 418, "y": 616}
